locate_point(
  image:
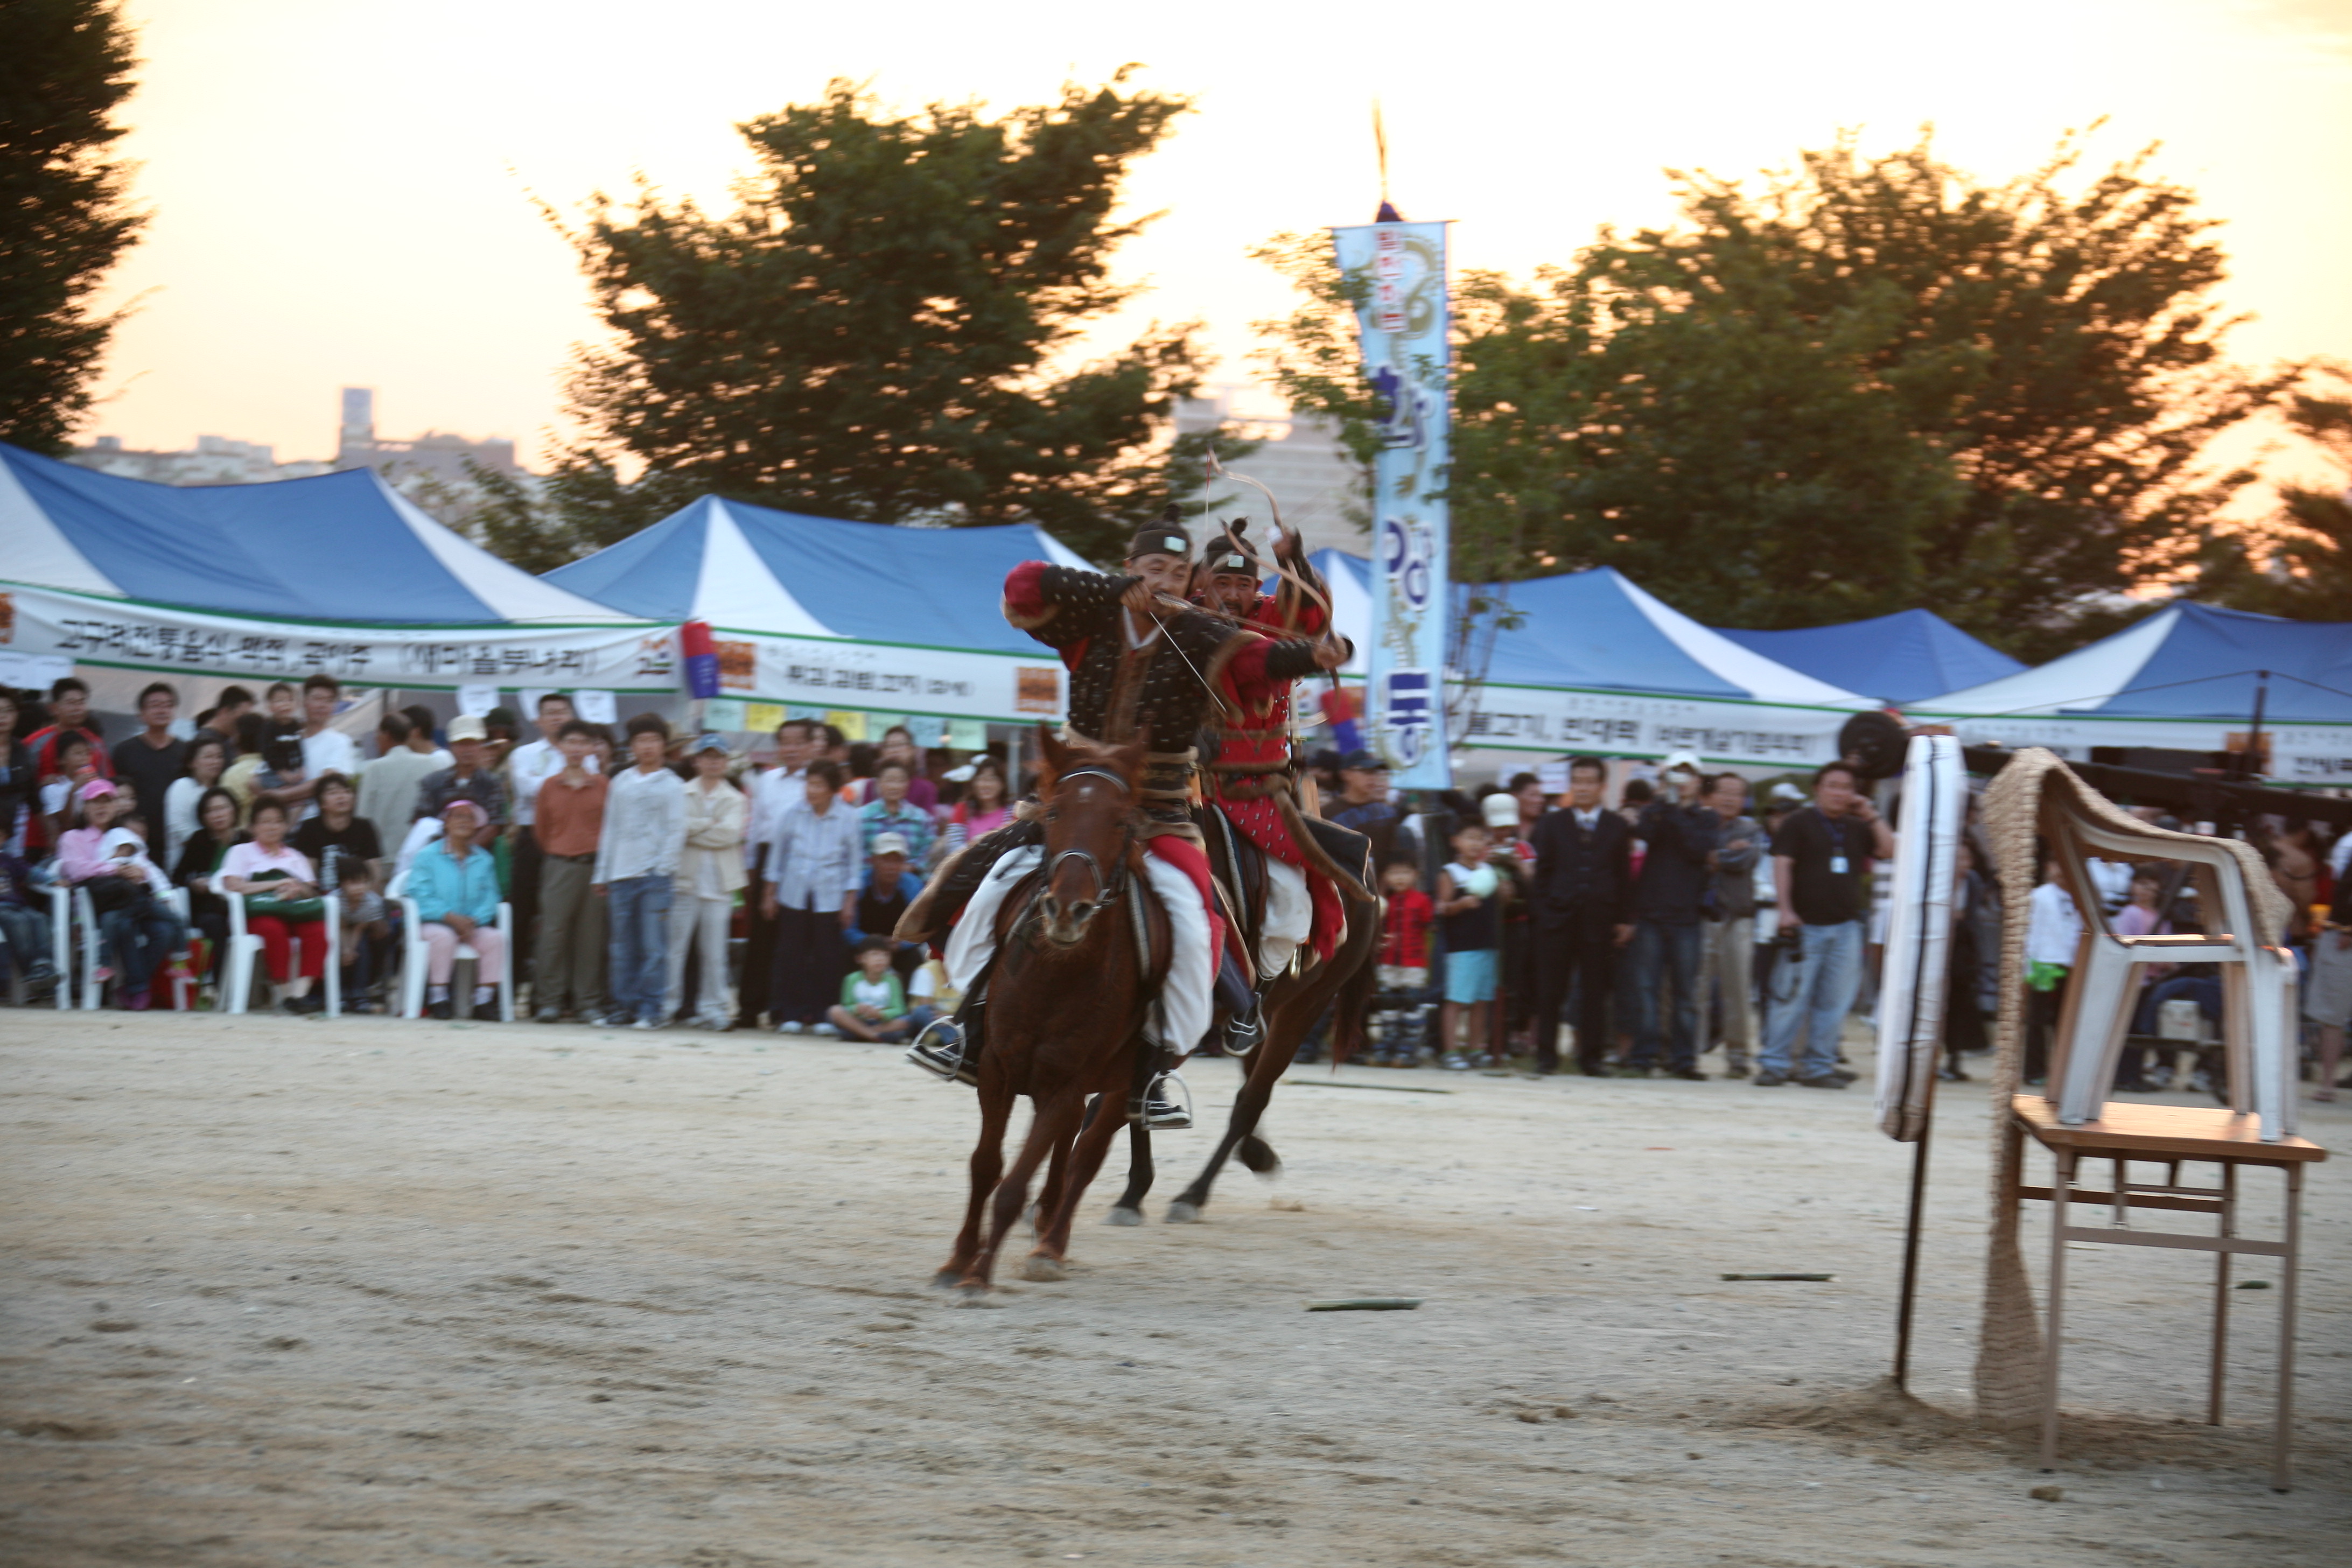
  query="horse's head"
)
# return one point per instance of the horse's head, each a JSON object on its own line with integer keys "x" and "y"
{"x": 1089, "y": 794}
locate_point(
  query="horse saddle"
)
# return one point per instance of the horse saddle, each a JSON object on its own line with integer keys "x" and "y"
{"x": 1237, "y": 868}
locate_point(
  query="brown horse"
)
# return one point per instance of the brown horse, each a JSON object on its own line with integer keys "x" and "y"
{"x": 1066, "y": 1004}
{"x": 1292, "y": 1004}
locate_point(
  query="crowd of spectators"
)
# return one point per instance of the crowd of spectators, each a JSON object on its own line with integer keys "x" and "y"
{"x": 1687, "y": 917}
{"x": 645, "y": 879}
{"x": 638, "y": 880}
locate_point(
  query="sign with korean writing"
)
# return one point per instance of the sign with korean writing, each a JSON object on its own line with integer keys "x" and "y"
{"x": 822, "y": 674}
{"x": 90, "y": 630}
{"x": 1549, "y": 720}
{"x": 1399, "y": 271}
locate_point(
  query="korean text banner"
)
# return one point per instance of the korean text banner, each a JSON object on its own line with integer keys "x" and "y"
{"x": 125, "y": 633}
{"x": 1402, "y": 316}
{"x": 892, "y": 677}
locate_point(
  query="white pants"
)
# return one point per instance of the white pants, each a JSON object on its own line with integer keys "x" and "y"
{"x": 1186, "y": 1001}
{"x": 708, "y": 917}
{"x": 1289, "y": 916}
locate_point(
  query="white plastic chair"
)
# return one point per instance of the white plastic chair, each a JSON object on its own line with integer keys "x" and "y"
{"x": 245, "y": 947}
{"x": 2258, "y": 979}
{"x": 93, "y": 952}
{"x": 413, "y": 954}
{"x": 61, "y": 913}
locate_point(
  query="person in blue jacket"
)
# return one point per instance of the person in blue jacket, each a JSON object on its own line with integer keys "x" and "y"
{"x": 454, "y": 883}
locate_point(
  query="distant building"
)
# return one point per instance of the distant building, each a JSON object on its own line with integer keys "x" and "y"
{"x": 436, "y": 455}
{"x": 216, "y": 460}
{"x": 1322, "y": 489}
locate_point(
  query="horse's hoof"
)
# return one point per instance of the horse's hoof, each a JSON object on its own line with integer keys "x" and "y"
{"x": 1181, "y": 1212}
{"x": 1124, "y": 1216}
{"x": 946, "y": 1279}
{"x": 1043, "y": 1268}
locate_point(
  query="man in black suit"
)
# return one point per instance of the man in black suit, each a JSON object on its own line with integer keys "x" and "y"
{"x": 1583, "y": 899}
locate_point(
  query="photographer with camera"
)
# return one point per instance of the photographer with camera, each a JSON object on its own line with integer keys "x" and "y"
{"x": 1821, "y": 865}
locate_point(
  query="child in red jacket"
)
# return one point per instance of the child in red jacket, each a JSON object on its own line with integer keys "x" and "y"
{"x": 1406, "y": 914}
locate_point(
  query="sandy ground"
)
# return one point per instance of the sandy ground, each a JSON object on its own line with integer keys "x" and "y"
{"x": 284, "y": 1292}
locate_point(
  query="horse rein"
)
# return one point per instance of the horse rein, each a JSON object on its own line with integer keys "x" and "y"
{"x": 1107, "y": 888}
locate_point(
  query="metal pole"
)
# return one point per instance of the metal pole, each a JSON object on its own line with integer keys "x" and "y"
{"x": 1911, "y": 1246}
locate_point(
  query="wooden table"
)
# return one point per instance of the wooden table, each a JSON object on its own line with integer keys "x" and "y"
{"x": 2169, "y": 1135}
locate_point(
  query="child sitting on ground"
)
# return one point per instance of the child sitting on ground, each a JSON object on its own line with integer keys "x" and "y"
{"x": 873, "y": 1003}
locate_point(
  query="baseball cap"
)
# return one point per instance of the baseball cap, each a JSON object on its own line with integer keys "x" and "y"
{"x": 466, "y": 727}
{"x": 1688, "y": 760}
{"x": 1500, "y": 811}
{"x": 98, "y": 787}
{"x": 710, "y": 741}
{"x": 890, "y": 843}
{"x": 1360, "y": 761}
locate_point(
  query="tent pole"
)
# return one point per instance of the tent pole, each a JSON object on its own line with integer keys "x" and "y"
{"x": 2251, "y": 764}
{"x": 1910, "y": 1298}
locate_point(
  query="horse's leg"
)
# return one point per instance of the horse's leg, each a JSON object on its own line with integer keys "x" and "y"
{"x": 1268, "y": 1063}
{"x": 1057, "y": 1119}
{"x": 1053, "y": 1231}
{"x": 997, "y": 1097}
{"x": 1049, "y": 1197}
{"x": 1128, "y": 1210}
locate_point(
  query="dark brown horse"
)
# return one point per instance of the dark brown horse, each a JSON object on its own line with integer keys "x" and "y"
{"x": 1066, "y": 1004}
{"x": 1292, "y": 1006}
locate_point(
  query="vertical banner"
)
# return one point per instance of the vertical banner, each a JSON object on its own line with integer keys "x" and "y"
{"x": 1403, "y": 320}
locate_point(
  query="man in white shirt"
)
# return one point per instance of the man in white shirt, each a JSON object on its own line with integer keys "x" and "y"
{"x": 528, "y": 767}
{"x": 637, "y": 858}
{"x": 325, "y": 749}
{"x": 773, "y": 792}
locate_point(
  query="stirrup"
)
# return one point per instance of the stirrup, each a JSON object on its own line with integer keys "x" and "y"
{"x": 1246, "y": 1031}
{"x": 938, "y": 1050}
{"x": 1164, "y": 1111}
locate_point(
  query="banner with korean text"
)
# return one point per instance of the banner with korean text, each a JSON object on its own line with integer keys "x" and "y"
{"x": 1396, "y": 273}
{"x": 125, "y": 633}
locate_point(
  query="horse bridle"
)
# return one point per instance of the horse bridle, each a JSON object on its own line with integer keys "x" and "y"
{"x": 1107, "y": 887}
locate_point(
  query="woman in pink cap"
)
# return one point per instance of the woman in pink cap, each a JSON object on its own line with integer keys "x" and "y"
{"x": 140, "y": 927}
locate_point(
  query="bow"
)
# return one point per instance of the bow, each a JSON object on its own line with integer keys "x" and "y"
{"x": 1298, "y": 584}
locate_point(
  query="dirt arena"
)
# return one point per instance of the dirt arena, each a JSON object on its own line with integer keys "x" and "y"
{"x": 287, "y": 1292}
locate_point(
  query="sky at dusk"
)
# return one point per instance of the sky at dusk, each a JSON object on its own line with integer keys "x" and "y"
{"x": 343, "y": 193}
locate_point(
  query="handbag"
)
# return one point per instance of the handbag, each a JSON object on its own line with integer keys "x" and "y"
{"x": 291, "y": 909}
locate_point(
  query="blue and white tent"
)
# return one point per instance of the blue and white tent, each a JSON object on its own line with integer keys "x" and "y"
{"x": 2188, "y": 678}
{"x": 752, "y": 569}
{"x": 823, "y": 614}
{"x": 1596, "y": 663}
{"x": 340, "y": 574}
{"x": 1908, "y": 656}
{"x": 338, "y": 548}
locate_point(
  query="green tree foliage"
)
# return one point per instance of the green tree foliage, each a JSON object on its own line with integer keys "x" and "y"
{"x": 879, "y": 329}
{"x": 65, "y": 65}
{"x": 2300, "y": 565}
{"x": 1870, "y": 382}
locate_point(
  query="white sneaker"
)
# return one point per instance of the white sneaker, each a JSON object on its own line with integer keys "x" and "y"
{"x": 824, "y": 1031}
{"x": 643, "y": 1023}
{"x": 789, "y": 1026}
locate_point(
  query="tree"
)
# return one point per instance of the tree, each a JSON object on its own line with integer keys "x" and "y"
{"x": 64, "y": 67}
{"x": 2300, "y": 565}
{"x": 875, "y": 331}
{"x": 1869, "y": 383}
